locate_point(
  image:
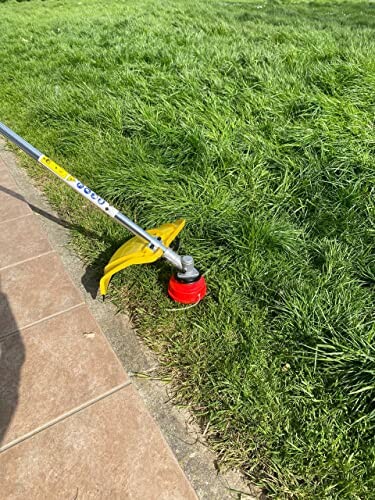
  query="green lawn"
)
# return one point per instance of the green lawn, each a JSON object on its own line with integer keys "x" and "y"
{"x": 255, "y": 122}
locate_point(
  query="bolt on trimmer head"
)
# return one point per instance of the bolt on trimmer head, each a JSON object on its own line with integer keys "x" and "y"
{"x": 188, "y": 286}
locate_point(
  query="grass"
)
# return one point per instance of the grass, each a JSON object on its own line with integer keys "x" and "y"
{"x": 255, "y": 122}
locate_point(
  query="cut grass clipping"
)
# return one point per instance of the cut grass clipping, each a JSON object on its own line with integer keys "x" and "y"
{"x": 255, "y": 122}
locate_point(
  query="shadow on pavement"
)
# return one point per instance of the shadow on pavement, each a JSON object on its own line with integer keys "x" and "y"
{"x": 90, "y": 279}
{"x": 12, "y": 357}
{"x": 46, "y": 215}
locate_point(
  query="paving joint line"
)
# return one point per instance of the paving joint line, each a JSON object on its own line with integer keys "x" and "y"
{"x": 64, "y": 416}
{"x": 27, "y": 260}
{"x": 17, "y": 330}
{"x": 16, "y": 218}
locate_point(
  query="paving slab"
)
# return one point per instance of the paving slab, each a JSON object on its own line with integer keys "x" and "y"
{"x": 6, "y": 179}
{"x": 12, "y": 205}
{"x": 2, "y": 163}
{"x": 65, "y": 362}
{"x": 21, "y": 239}
{"x": 116, "y": 432}
{"x": 34, "y": 290}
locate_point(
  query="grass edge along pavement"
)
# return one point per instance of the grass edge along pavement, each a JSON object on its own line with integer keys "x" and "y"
{"x": 255, "y": 122}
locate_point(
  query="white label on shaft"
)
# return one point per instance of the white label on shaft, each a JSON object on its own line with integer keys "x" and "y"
{"x": 78, "y": 186}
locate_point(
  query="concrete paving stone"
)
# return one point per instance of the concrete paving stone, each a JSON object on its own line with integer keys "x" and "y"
{"x": 6, "y": 178}
{"x": 112, "y": 449}
{"x": 3, "y": 167}
{"x": 34, "y": 290}
{"x": 21, "y": 239}
{"x": 12, "y": 204}
{"x": 51, "y": 368}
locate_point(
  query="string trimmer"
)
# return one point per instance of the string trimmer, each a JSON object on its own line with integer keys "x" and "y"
{"x": 187, "y": 285}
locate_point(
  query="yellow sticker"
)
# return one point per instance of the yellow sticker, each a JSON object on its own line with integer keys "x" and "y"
{"x": 51, "y": 165}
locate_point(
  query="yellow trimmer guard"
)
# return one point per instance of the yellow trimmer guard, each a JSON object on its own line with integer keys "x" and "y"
{"x": 137, "y": 251}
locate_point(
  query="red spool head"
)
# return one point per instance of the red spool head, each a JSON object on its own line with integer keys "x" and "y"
{"x": 187, "y": 293}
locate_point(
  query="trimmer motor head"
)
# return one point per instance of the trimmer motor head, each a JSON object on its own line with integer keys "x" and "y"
{"x": 188, "y": 285}
{"x": 187, "y": 292}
